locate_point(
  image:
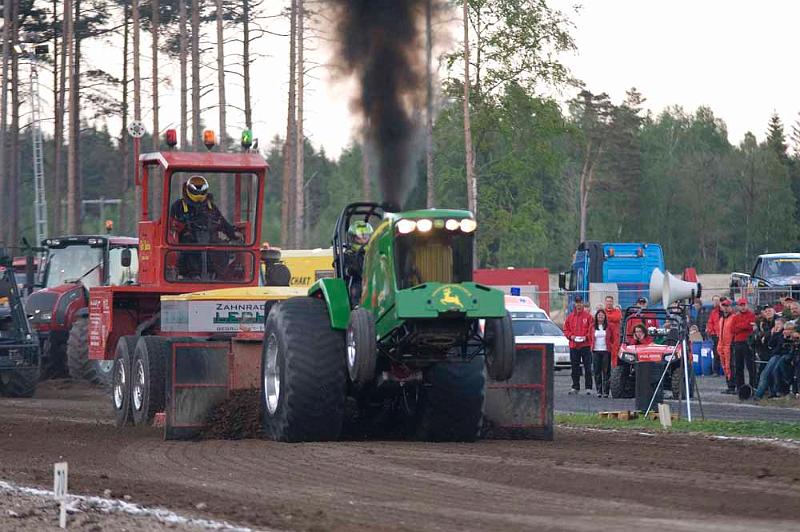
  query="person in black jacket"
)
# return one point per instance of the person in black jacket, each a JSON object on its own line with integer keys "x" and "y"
{"x": 779, "y": 349}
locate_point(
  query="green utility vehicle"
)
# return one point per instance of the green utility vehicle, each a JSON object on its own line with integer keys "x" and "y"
{"x": 401, "y": 332}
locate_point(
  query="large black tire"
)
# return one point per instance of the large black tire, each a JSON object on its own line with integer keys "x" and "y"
{"x": 19, "y": 383}
{"x": 452, "y": 402}
{"x": 361, "y": 350}
{"x": 304, "y": 375}
{"x": 53, "y": 365}
{"x": 677, "y": 384}
{"x": 98, "y": 372}
{"x": 501, "y": 348}
{"x": 278, "y": 274}
{"x": 621, "y": 385}
{"x": 148, "y": 373}
{"x": 121, "y": 380}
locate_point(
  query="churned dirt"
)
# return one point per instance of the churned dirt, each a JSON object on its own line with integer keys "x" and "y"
{"x": 583, "y": 480}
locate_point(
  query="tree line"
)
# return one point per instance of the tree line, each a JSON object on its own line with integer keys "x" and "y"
{"x": 547, "y": 174}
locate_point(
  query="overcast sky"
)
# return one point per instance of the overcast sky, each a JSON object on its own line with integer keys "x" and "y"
{"x": 735, "y": 56}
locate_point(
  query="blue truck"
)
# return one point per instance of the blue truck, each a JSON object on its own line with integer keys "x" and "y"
{"x": 626, "y": 264}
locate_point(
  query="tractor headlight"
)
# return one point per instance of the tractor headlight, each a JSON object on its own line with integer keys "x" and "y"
{"x": 424, "y": 225}
{"x": 452, "y": 225}
{"x": 630, "y": 358}
{"x": 405, "y": 226}
{"x": 42, "y": 316}
{"x": 468, "y": 225}
{"x": 561, "y": 349}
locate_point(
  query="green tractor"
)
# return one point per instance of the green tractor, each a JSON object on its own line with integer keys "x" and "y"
{"x": 400, "y": 333}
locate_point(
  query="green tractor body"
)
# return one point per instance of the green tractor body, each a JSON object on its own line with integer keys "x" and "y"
{"x": 406, "y": 325}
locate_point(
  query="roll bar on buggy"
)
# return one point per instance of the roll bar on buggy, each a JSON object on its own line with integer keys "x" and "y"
{"x": 362, "y": 210}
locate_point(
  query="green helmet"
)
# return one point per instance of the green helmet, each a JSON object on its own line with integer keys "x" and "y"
{"x": 359, "y": 234}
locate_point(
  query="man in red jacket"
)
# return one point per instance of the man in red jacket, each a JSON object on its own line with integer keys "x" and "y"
{"x": 578, "y": 330}
{"x": 743, "y": 323}
{"x": 712, "y": 332}
{"x": 613, "y": 314}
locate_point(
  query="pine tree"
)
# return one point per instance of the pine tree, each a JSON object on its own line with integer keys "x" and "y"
{"x": 776, "y": 139}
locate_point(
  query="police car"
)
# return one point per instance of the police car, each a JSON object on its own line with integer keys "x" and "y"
{"x": 532, "y": 325}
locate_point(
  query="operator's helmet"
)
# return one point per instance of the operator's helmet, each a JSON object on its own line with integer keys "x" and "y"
{"x": 359, "y": 234}
{"x": 197, "y": 188}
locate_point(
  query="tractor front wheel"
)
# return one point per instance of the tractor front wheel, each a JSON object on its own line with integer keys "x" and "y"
{"x": 500, "y": 348}
{"x": 361, "y": 349}
{"x": 98, "y": 372}
{"x": 452, "y": 401}
{"x": 278, "y": 274}
{"x": 121, "y": 380}
{"x": 620, "y": 382}
{"x": 148, "y": 369}
{"x": 304, "y": 373}
{"x": 19, "y": 382}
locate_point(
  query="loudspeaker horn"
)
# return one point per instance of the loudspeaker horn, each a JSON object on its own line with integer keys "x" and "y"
{"x": 676, "y": 289}
{"x": 656, "y": 285}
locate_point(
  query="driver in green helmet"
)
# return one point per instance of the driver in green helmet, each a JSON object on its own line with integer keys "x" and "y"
{"x": 358, "y": 235}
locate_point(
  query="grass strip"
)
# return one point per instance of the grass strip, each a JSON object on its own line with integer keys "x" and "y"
{"x": 755, "y": 429}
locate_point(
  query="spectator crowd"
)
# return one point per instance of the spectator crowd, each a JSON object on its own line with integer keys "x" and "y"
{"x": 764, "y": 345}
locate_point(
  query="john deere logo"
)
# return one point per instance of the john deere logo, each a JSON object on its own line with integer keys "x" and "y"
{"x": 451, "y": 295}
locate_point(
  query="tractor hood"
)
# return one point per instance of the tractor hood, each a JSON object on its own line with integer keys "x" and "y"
{"x": 430, "y": 300}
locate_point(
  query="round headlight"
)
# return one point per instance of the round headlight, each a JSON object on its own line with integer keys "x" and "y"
{"x": 451, "y": 225}
{"x": 468, "y": 225}
{"x": 424, "y": 225}
{"x": 405, "y": 226}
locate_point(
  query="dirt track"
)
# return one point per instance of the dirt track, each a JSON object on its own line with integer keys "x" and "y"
{"x": 584, "y": 480}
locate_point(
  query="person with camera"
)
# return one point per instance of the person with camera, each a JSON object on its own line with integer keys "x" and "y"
{"x": 779, "y": 338}
{"x": 764, "y": 324}
{"x": 578, "y": 330}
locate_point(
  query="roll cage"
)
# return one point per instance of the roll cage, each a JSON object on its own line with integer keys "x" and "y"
{"x": 365, "y": 211}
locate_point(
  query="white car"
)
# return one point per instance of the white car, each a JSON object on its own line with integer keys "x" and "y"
{"x": 532, "y": 325}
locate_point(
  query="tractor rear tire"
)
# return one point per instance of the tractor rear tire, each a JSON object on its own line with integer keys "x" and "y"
{"x": 148, "y": 373}
{"x": 278, "y": 274}
{"x": 19, "y": 382}
{"x": 501, "y": 349}
{"x": 619, "y": 382}
{"x": 98, "y": 372}
{"x": 304, "y": 374}
{"x": 678, "y": 385}
{"x": 121, "y": 380}
{"x": 361, "y": 350}
{"x": 452, "y": 401}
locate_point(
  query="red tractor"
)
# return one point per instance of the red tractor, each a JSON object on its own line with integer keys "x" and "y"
{"x": 200, "y": 229}
{"x": 59, "y": 311}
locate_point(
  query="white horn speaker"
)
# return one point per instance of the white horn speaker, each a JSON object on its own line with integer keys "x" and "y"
{"x": 656, "y": 285}
{"x": 676, "y": 289}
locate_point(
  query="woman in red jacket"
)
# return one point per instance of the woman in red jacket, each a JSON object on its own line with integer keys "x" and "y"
{"x": 604, "y": 340}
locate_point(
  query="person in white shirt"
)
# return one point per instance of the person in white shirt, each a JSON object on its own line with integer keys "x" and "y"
{"x": 601, "y": 353}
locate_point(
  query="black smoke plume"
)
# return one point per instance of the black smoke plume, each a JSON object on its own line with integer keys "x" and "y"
{"x": 382, "y": 44}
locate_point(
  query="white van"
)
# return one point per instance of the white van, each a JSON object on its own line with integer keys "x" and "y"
{"x": 532, "y": 325}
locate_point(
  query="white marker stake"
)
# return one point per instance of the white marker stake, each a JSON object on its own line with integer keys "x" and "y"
{"x": 60, "y": 489}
